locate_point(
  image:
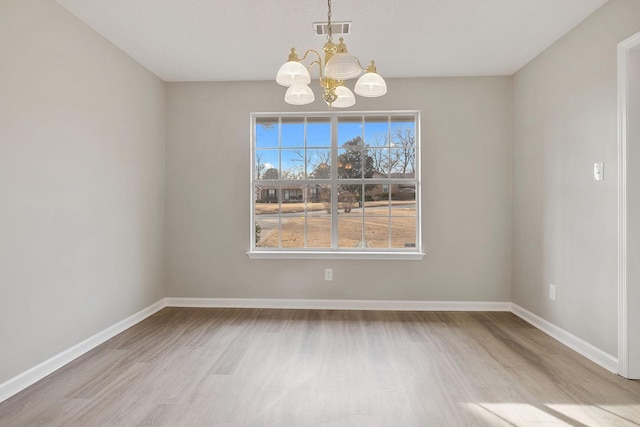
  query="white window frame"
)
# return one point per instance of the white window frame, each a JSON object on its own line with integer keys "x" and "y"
{"x": 338, "y": 253}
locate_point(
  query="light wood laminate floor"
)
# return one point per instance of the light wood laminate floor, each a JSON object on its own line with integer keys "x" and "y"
{"x": 259, "y": 367}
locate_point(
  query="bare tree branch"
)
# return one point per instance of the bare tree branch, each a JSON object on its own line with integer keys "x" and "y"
{"x": 404, "y": 151}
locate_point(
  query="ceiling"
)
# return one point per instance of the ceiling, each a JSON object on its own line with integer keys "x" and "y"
{"x": 215, "y": 40}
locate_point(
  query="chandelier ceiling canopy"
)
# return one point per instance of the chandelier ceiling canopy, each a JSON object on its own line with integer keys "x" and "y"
{"x": 335, "y": 67}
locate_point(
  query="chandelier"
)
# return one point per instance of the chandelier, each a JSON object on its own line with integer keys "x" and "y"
{"x": 337, "y": 66}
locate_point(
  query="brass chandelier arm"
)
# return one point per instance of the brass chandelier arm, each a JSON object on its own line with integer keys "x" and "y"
{"x": 307, "y": 54}
{"x": 319, "y": 66}
{"x": 360, "y": 64}
{"x": 317, "y": 61}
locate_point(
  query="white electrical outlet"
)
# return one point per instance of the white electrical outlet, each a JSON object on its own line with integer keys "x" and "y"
{"x": 552, "y": 292}
{"x": 328, "y": 274}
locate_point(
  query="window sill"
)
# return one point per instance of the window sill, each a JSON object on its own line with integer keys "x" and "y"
{"x": 403, "y": 256}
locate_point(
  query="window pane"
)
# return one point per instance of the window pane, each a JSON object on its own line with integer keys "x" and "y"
{"x": 292, "y": 199}
{"x": 349, "y": 197}
{"x": 266, "y": 232}
{"x": 319, "y": 132}
{"x": 376, "y": 131}
{"x": 403, "y": 232}
{"x": 292, "y": 234}
{"x": 266, "y": 164}
{"x": 292, "y": 210}
{"x": 377, "y": 207}
{"x": 349, "y": 130}
{"x": 400, "y": 209}
{"x": 403, "y": 153}
{"x": 318, "y": 194}
{"x": 319, "y": 198}
{"x": 292, "y": 132}
{"x": 266, "y": 216}
{"x": 379, "y": 162}
{"x": 319, "y": 229}
{"x": 267, "y": 200}
{"x": 377, "y": 195}
{"x": 402, "y": 129}
{"x": 349, "y": 216}
{"x": 350, "y": 231}
{"x": 292, "y": 164}
{"x": 376, "y": 232}
{"x": 319, "y": 216}
{"x": 403, "y": 162}
{"x": 266, "y": 132}
{"x": 319, "y": 164}
{"x": 350, "y": 164}
{"x": 404, "y": 198}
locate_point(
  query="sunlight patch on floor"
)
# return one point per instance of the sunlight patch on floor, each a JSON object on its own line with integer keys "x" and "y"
{"x": 598, "y": 415}
{"x": 556, "y": 414}
{"x": 518, "y": 414}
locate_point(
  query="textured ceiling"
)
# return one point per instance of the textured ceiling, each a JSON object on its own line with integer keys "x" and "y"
{"x": 214, "y": 40}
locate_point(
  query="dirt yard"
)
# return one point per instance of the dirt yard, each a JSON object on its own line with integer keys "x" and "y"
{"x": 376, "y": 231}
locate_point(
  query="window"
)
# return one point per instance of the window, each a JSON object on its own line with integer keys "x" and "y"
{"x": 335, "y": 185}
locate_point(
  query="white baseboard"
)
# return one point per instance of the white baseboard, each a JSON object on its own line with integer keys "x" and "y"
{"x": 589, "y": 351}
{"x": 324, "y": 304}
{"x": 27, "y": 378}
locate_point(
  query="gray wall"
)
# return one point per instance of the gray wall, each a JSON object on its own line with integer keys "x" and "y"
{"x": 564, "y": 223}
{"x": 81, "y": 184}
{"x": 466, "y": 176}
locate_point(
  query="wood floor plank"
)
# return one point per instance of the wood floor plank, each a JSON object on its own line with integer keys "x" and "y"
{"x": 262, "y": 367}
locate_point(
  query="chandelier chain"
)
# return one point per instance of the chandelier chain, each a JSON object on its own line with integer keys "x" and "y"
{"x": 330, "y": 35}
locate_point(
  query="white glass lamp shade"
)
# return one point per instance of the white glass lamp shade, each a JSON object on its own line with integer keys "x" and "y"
{"x": 299, "y": 94}
{"x": 370, "y": 85}
{"x": 342, "y": 66}
{"x": 345, "y": 98}
{"x": 293, "y": 73}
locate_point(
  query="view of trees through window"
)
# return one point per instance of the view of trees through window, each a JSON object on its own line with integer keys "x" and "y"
{"x": 339, "y": 182}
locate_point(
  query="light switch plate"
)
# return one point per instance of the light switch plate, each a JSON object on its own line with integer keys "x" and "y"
{"x": 598, "y": 171}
